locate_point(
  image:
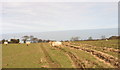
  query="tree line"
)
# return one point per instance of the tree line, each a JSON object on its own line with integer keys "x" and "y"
{"x": 91, "y": 39}
{"x": 26, "y": 38}
{"x": 33, "y": 39}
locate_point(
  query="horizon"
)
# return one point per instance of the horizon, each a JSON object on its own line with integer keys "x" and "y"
{"x": 66, "y": 35}
{"x": 58, "y": 31}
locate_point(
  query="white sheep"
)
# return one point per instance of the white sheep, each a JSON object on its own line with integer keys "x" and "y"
{"x": 6, "y": 43}
{"x": 56, "y": 43}
{"x": 27, "y": 43}
{"x": 106, "y": 39}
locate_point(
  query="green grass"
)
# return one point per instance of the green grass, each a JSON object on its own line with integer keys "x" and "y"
{"x": 100, "y": 45}
{"x": 22, "y": 56}
{"x": 84, "y": 56}
{"x": 59, "y": 56}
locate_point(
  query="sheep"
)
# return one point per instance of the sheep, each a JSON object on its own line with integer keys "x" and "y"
{"x": 106, "y": 39}
{"x": 27, "y": 43}
{"x": 56, "y": 43}
{"x": 6, "y": 43}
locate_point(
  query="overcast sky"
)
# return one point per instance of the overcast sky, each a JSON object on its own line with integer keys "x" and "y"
{"x": 57, "y": 16}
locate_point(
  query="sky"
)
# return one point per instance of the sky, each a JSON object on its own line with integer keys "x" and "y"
{"x": 59, "y": 0}
{"x": 58, "y": 16}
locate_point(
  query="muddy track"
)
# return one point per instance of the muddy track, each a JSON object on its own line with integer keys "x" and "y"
{"x": 76, "y": 60}
{"x": 107, "y": 58}
{"x": 51, "y": 62}
{"x": 108, "y": 49}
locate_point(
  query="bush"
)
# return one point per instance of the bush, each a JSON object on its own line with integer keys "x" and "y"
{"x": 14, "y": 41}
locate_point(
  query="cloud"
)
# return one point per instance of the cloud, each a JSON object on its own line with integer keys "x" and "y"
{"x": 59, "y": 0}
{"x": 53, "y": 16}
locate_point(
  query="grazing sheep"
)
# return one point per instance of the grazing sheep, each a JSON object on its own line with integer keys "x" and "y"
{"x": 27, "y": 43}
{"x": 6, "y": 43}
{"x": 56, "y": 43}
{"x": 106, "y": 39}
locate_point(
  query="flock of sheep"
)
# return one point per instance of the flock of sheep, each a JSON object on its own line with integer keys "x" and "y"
{"x": 51, "y": 43}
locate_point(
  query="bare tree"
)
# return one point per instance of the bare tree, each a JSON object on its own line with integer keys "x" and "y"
{"x": 75, "y": 38}
{"x": 90, "y": 38}
{"x": 35, "y": 40}
{"x": 103, "y": 37}
{"x": 25, "y": 38}
{"x": 31, "y": 38}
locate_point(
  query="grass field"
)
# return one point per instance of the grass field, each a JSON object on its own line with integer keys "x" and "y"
{"x": 43, "y": 55}
{"x": 101, "y": 45}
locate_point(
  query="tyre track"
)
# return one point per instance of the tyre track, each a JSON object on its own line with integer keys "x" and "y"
{"x": 77, "y": 62}
{"x": 51, "y": 62}
{"x": 107, "y": 58}
{"x": 103, "y": 48}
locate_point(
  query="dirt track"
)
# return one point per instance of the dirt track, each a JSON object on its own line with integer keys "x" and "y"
{"x": 107, "y": 58}
{"x": 103, "y": 48}
{"x": 74, "y": 58}
{"x": 52, "y": 63}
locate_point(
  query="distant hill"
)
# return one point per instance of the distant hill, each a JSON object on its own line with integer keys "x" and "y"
{"x": 66, "y": 35}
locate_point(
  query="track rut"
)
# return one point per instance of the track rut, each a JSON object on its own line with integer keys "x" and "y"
{"x": 51, "y": 62}
{"x": 107, "y": 58}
